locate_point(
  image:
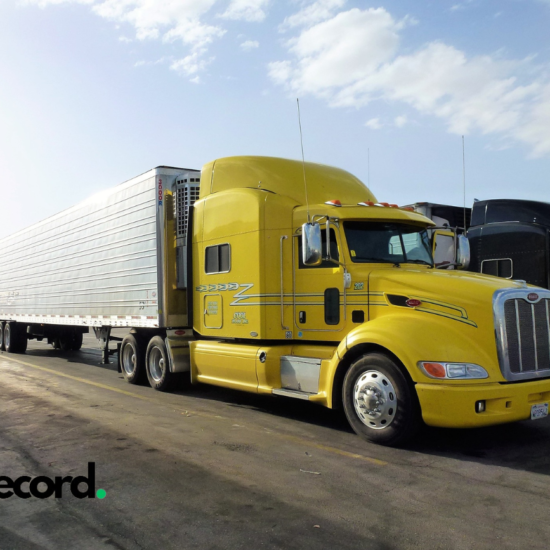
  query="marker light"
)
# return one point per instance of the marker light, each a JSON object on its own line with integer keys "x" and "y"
{"x": 434, "y": 370}
{"x": 413, "y": 302}
{"x": 334, "y": 203}
{"x": 387, "y": 204}
{"x": 453, "y": 371}
{"x": 366, "y": 203}
{"x": 408, "y": 209}
{"x": 394, "y": 206}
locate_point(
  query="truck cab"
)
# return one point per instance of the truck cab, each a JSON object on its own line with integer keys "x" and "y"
{"x": 369, "y": 324}
{"x": 510, "y": 239}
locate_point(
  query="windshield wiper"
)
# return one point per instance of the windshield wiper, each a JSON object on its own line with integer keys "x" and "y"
{"x": 424, "y": 262}
{"x": 377, "y": 261}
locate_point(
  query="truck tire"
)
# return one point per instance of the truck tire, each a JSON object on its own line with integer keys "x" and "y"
{"x": 157, "y": 365}
{"x": 2, "y": 325}
{"x": 132, "y": 359}
{"x": 380, "y": 404}
{"x": 76, "y": 342}
{"x": 65, "y": 342}
{"x": 15, "y": 338}
{"x": 70, "y": 341}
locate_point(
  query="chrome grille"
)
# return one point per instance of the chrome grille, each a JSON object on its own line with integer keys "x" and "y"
{"x": 523, "y": 333}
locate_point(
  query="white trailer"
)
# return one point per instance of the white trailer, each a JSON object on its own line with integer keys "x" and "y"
{"x": 102, "y": 264}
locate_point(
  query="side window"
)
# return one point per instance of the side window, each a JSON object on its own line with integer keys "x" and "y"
{"x": 217, "y": 259}
{"x": 333, "y": 251}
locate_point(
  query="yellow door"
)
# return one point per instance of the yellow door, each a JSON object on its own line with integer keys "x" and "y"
{"x": 319, "y": 292}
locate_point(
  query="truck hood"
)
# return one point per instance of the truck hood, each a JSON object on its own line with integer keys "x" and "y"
{"x": 457, "y": 295}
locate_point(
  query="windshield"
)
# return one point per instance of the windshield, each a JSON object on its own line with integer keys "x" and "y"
{"x": 380, "y": 242}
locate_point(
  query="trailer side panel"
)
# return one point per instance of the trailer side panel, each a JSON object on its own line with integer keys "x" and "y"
{"x": 94, "y": 264}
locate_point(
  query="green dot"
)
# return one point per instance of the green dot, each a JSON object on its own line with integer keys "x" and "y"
{"x": 101, "y": 493}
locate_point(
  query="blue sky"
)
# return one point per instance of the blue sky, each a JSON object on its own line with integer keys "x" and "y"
{"x": 94, "y": 92}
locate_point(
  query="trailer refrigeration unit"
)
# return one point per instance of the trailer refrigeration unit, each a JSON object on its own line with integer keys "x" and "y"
{"x": 245, "y": 281}
{"x": 510, "y": 239}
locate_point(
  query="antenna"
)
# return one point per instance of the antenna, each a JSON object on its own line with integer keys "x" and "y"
{"x": 368, "y": 169}
{"x": 303, "y": 159}
{"x": 464, "y": 180}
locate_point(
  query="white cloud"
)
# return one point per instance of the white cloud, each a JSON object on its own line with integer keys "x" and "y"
{"x": 248, "y": 45}
{"x": 45, "y": 3}
{"x": 400, "y": 121}
{"x": 373, "y": 124}
{"x": 354, "y": 58}
{"x": 192, "y": 63}
{"x": 331, "y": 54}
{"x": 169, "y": 21}
{"x": 313, "y": 13}
{"x": 280, "y": 72}
{"x": 248, "y": 10}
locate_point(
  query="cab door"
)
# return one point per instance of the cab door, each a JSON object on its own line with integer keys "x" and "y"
{"x": 318, "y": 291}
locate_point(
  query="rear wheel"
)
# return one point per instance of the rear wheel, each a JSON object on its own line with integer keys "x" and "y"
{"x": 15, "y": 338}
{"x": 70, "y": 341}
{"x": 158, "y": 371}
{"x": 76, "y": 342}
{"x": 132, "y": 359}
{"x": 2, "y": 325}
{"x": 379, "y": 402}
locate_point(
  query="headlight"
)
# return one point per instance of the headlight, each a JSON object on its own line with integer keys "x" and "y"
{"x": 452, "y": 371}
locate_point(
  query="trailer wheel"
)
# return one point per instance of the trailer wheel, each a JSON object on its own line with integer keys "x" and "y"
{"x": 70, "y": 341}
{"x": 65, "y": 342}
{"x": 15, "y": 338}
{"x": 76, "y": 342}
{"x": 379, "y": 402}
{"x": 156, "y": 361}
{"x": 2, "y": 326}
{"x": 132, "y": 359}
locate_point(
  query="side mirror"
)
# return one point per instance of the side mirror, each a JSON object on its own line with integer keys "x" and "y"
{"x": 463, "y": 252}
{"x": 311, "y": 244}
{"x": 443, "y": 250}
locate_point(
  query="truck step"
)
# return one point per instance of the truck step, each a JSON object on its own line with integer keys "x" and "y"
{"x": 292, "y": 393}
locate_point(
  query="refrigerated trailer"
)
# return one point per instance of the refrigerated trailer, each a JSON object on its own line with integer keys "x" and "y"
{"x": 115, "y": 260}
{"x": 287, "y": 279}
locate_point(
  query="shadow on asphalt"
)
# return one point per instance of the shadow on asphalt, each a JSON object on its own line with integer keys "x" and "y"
{"x": 521, "y": 445}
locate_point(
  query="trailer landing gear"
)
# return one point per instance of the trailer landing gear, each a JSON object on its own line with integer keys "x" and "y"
{"x": 103, "y": 334}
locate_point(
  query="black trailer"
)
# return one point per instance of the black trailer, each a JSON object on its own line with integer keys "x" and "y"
{"x": 510, "y": 239}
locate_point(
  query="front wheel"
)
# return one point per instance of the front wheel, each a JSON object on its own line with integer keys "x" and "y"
{"x": 380, "y": 404}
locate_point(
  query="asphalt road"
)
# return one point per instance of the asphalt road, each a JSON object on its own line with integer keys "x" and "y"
{"x": 211, "y": 468}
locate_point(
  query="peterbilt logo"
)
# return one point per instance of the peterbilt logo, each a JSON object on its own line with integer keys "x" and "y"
{"x": 533, "y": 297}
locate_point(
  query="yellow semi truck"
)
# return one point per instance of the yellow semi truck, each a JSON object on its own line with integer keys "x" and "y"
{"x": 286, "y": 278}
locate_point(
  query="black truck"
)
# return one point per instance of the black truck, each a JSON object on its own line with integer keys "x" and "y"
{"x": 510, "y": 239}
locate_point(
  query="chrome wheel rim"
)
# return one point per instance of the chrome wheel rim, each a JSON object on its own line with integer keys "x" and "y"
{"x": 129, "y": 359}
{"x": 156, "y": 364}
{"x": 374, "y": 399}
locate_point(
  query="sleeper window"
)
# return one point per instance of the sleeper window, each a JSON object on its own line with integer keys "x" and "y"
{"x": 217, "y": 259}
